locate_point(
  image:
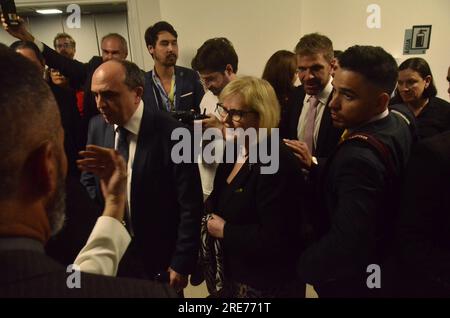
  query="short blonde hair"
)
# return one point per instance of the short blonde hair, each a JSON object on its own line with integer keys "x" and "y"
{"x": 259, "y": 96}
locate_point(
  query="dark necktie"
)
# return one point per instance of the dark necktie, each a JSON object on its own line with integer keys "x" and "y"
{"x": 123, "y": 148}
{"x": 122, "y": 144}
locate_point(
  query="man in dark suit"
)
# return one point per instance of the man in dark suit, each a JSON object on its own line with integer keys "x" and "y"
{"x": 424, "y": 226}
{"x": 65, "y": 45}
{"x": 169, "y": 87}
{"x": 309, "y": 120}
{"x": 33, "y": 167}
{"x": 164, "y": 198}
{"x": 360, "y": 182}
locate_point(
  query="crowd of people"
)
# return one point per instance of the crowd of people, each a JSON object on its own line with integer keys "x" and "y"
{"x": 87, "y": 175}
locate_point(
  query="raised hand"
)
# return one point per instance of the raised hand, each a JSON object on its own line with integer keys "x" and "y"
{"x": 19, "y": 32}
{"x": 110, "y": 167}
{"x": 301, "y": 151}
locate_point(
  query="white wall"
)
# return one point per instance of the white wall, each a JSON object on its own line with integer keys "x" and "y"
{"x": 258, "y": 28}
{"x": 252, "y": 25}
{"x": 344, "y": 21}
{"x": 85, "y": 37}
{"x": 141, "y": 14}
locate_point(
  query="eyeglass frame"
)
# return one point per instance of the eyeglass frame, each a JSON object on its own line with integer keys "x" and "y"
{"x": 232, "y": 112}
{"x": 64, "y": 45}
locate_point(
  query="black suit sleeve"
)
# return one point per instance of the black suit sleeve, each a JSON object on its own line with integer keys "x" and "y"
{"x": 356, "y": 185}
{"x": 190, "y": 201}
{"x": 424, "y": 221}
{"x": 76, "y": 71}
{"x": 294, "y": 109}
{"x": 88, "y": 179}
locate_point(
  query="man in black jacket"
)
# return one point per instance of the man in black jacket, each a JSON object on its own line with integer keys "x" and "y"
{"x": 424, "y": 224}
{"x": 360, "y": 180}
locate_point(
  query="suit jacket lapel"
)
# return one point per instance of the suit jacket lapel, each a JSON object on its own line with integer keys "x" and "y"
{"x": 325, "y": 125}
{"x": 109, "y": 137}
{"x": 153, "y": 102}
{"x": 179, "y": 82}
{"x": 146, "y": 141}
{"x": 239, "y": 182}
{"x": 297, "y": 106}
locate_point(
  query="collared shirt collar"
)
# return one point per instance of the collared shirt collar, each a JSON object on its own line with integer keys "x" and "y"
{"x": 168, "y": 104}
{"x": 21, "y": 244}
{"x": 155, "y": 76}
{"x": 373, "y": 119}
{"x": 134, "y": 123}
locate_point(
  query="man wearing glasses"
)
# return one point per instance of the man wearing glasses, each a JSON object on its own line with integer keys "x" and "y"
{"x": 217, "y": 63}
{"x": 235, "y": 114}
{"x": 65, "y": 45}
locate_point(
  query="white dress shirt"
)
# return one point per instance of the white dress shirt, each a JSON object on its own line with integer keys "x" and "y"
{"x": 208, "y": 171}
{"x": 322, "y": 98}
{"x": 105, "y": 247}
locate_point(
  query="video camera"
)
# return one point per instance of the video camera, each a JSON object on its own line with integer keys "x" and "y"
{"x": 188, "y": 117}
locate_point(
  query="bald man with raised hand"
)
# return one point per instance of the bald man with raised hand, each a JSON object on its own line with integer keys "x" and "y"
{"x": 164, "y": 199}
{"x": 33, "y": 167}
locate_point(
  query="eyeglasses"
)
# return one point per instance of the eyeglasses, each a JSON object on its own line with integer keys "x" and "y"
{"x": 64, "y": 45}
{"x": 236, "y": 115}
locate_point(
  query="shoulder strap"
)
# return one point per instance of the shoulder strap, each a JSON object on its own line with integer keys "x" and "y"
{"x": 383, "y": 151}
